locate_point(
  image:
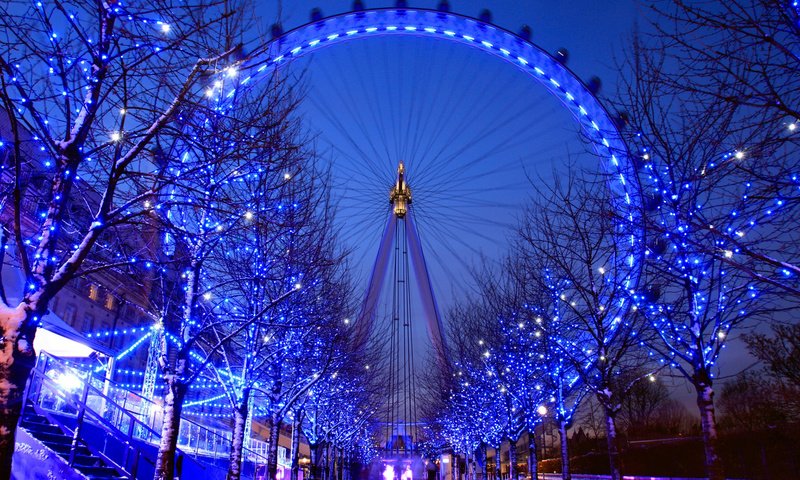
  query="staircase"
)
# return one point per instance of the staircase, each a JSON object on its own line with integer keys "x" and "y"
{"x": 117, "y": 429}
{"x": 57, "y": 438}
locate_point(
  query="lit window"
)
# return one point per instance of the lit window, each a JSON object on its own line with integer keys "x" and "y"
{"x": 110, "y": 302}
{"x": 94, "y": 292}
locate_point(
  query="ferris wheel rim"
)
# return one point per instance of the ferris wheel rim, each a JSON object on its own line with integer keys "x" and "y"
{"x": 572, "y": 93}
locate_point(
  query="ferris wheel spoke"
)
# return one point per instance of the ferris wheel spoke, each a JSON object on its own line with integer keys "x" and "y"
{"x": 446, "y": 164}
{"x": 475, "y": 146}
{"x": 357, "y": 152}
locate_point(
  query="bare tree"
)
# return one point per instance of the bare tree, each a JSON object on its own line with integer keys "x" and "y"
{"x": 640, "y": 406}
{"x": 86, "y": 88}
{"x": 741, "y": 57}
{"x": 780, "y": 352}
{"x": 744, "y": 407}
{"x": 277, "y": 352}
{"x": 342, "y": 411}
{"x": 234, "y": 165}
{"x": 570, "y": 246}
{"x": 691, "y": 294}
{"x": 648, "y": 411}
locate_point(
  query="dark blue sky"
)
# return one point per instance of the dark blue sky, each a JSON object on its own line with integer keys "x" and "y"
{"x": 477, "y": 135}
{"x": 372, "y": 103}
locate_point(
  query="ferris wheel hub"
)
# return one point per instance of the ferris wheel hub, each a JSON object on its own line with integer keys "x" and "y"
{"x": 400, "y": 195}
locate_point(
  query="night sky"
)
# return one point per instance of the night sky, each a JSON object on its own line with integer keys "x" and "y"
{"x": 478, "y": 136}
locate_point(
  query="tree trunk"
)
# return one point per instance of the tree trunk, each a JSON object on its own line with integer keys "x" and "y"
{"x": 313, "y": 466}
{"x": 498, "y": 464}
{"x": 173, "y": 404}
{"x": 614, "y": 461}
{"x": 485, "y": 453}
{"x": 512, "y": 459}
{"x": 328, "y": 474}
{"x": 705, "y": 402}
{"x": 456, "y": 467}
{"x": 331, "y": 462}
{"x": 237, "y": 440}
{"x": 562, "y": 431}
{"x": 295, "y": 454}
{"x": 533, "y": 465}
{"x": 17, "y": 359}
{"x": 323, "y": 462}
{"x": 272, "y": 449}
{"x": 340, "y": 464}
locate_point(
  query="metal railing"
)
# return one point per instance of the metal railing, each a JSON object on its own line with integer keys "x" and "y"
{"x": 67, "y": 389}
{"x": 47, "y": 396}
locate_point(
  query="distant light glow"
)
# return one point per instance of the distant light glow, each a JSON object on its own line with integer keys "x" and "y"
{"x": 542, "y": 410}
{"x": 407, "y": 475}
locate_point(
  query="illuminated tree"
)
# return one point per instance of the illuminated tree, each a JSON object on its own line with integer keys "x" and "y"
{"x": 85, "y": 90}
{"x": 712, "y": 101}
{"x": 558, "y": 384}
{"x": 508, "y": 352}
{"x": 478, "y": 409}
{"x": 229, "y": 171}
{"x": 570, "y": 247}
{"x": 340, "y": 412}
{"x": 741, "y": 56}
{"x": 692, "y": 294}
{"x": 269, "y": 354}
